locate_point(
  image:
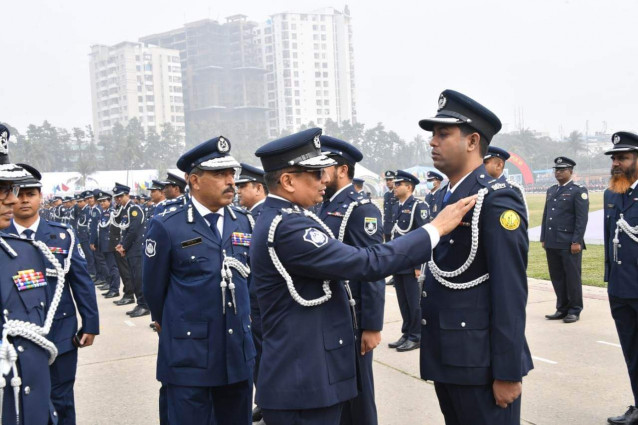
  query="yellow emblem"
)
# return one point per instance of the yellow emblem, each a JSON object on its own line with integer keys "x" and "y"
{"x": 510, "y": 220}
{"x": 583, "y": 195}
{"x": 134, "y": 213}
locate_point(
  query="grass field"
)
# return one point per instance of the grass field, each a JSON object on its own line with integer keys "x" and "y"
{"x": 593, "y": 257}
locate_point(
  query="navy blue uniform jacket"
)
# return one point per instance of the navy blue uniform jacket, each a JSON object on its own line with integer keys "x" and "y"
{"x": 29, "y": 305}
{"x": 407, "y": 222}
{"x": 364, "y": 228}
{"x": 565, "y": 216}
{"x": 473, "y": 336}
{"x": 78, "y": 287}
{"x": 308, "y": 357}
{"x": 181, "y": 273}
{"x": 389, "y": 201}
{"x": 621, "y": 277}
{"x": 133, "y": 235}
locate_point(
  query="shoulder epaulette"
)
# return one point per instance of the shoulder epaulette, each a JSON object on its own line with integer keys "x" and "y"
{"x": 6, "y": 247}
{"x": 56, "y": 224}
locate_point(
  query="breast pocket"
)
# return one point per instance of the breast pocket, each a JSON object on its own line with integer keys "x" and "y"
{"x": 338, "y": 340}
{"x": 465, "y": 339}
{"x": 189, "y": 345}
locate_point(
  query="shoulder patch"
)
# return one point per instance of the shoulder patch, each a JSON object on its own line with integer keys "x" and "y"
{"x": 134, "y": 213}
{"x": 150, "y": 246}
{"x": 315, "y": 237}
{"x": 510, "y": 220}
{"x": 498, "y": 186}
{"x": 424, "y": 214}
{"x": 584, "y": 195}
{"x": 81, "y": 251}
{"x": 370, "y": 225}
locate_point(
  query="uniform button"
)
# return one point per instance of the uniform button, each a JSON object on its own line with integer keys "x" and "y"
{"x": 27, "y": 390}
{"x": 5, "y": 312}
{"x": 462, "y": 324}
{"x": 192, "y": 257}
{"x": 341, "y": 342}
{"x": 64, "y": 314}
{"x": 424, "y": 322}
{"x": 451, "y": 241}
{"x": 20, "y": 348}
{"x": 482, "y": 176}
{"x": 248, "y": 326}
{"x": 425, "y": 294}
{"x": 230, "y": 331}
{"x": 42, "y": 303}
{"x": 552, "y": 209}
{"x": 55, "y": 413}
{"x": 188, "y": 333}
{"x": 550, "y": 218}
{"x": 550, "y": 228}
{"x": 230, "y": 304}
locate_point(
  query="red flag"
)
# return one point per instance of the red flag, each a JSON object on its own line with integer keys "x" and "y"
{"x": 65, "y": 187}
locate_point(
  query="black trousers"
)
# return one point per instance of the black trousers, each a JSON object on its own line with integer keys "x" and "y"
{"x": 224, "y": 405}
{"x": 407, "y": 289}
{"x": 322, "y": 416}
{"x": 625, "y": 314}
{"x": 113, "y": 272}
{"x": 125, "y": 274}
{"x": 101, "y": 270}
{"x": 565, "y": 270}
{"x": 63, "y": 372}
{"x": 362, "y": 409}
{"x": 90, "y": 259}
{"x": 135, "y": 266}
{"x": 255, "y": 327}
{"x": 474, "y": 405}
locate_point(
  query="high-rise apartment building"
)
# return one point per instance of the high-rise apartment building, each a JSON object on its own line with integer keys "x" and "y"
{"x": 132, "y": 80}
{"x": 309, "y": 59}
{"x": 222, "y": 72}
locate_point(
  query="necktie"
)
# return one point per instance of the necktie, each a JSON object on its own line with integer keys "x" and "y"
{"x": 212, "y": 219}
{"x": 28, "y": 233}
{"x": 446, "y": 197}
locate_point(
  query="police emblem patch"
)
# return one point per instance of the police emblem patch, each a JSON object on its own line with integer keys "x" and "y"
{"x": 370, "y": 225}
{"x": 442, "y": 102}
{"x": 510, "y": 220}
{"x": 222, "y": 145}
{"x": 315, "y": 237}
{"x": 583, "y": 195}
{"x": 150, "y": 247}
{"x": 559, "y": 161}
{"x": 81, "y": 251}
{"x": 317, "y": 142}
{"x": 62, "y": 235}
{"x": 424, "y": 214}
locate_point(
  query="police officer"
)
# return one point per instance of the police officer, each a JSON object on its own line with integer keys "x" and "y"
{"x": 174, "y": 192}
{"x": 409, "y": 214}
{"x": 494, "y": 163}
{"x": 297, "y": 267}
{"x": 78, "y": 290}
{"x": 157, "y": 196}
{"x": 82, "y": 225}
{"x": 195, "y": 269}
{"x": 473, "y": 300}
{"x": 130, "y": 247}
{"x": 357, "y": 183}
{"x": 117, "y": 224}
{"x": 95, "y": 212}
{"x": 105, "y": 242}
{"x": 621, "y": 252}
{"x": 434, "y": 181}
{"x": 389, "y": 200}
{"x": 360, "y": 220}
{"x": 251, "y": 189}
{"x": 25, "y": 302}
{"x": 562, "y": 235}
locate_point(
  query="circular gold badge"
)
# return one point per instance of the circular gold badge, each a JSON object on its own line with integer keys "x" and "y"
{"x": 583, "y": 195}
{"x": 510, "y": 220}
{"x": 134, "y": 213}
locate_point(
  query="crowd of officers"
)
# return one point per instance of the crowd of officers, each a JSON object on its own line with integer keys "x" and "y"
{"x": 231, "y": 266}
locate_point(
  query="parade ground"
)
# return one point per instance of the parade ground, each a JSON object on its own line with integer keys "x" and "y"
{"x": 579, "y": 377}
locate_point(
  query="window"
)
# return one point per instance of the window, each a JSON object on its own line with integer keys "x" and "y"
{"x": 140, "y": 98}
{"x": 150, "y": 98}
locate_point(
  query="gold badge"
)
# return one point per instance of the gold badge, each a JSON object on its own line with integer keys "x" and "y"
{"x": 583, "y": 195}
{"x": 510, "y": 220}
{"x": 62, "y": 235}
{"x": 134, "y": 213}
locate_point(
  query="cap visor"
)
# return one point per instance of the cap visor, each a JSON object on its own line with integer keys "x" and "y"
{"x": 621, "y": 148}
{"x": 317, "y": 162}
{"x": 428, "y": 124}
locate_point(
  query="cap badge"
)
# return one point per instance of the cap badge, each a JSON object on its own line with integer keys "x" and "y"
{"x": 616, "y": 139}
{"x": 4, "y": 143}
{"x": 222, "y": 145}
{"x": 442, "y": 102}
{"x": 317, "y": 142}
{"x": 559, "y": 161}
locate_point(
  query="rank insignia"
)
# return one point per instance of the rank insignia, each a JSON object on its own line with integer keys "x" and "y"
{"x": 29, "y": 279}
{"x": 335, "y": 214}
{"x": 58, "y": 250}
{"x": 241, "y": 239}
{"x": 191, "y": 242}
{"x": 150, "y": 248}
{"x": 63, "y": 236}
{"x": 510, "y": 220}
{"x": 315, "y": 237}
{"x": 370, "y": 225}
{"x": 435, "y": 208}
{"x": 406, "y": 211}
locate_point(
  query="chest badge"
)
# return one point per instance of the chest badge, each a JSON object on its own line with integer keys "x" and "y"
{"x": 510, "y": 220}
{"x": 29, "y": 279}
{"x": 370, "y": 225}
{"x": 241, "y": 239}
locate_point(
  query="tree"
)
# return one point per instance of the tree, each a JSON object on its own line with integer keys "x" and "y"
{"x": 576, "y": 142}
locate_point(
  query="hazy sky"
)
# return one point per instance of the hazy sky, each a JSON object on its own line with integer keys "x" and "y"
{"x": 556, "y": 62}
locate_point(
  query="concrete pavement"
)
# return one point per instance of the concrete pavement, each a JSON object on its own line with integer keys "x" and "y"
{"x": 579, "y": 377}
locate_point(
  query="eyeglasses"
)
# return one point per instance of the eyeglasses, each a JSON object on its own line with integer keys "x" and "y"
{"x": 5, "y": 189}
{"x": 318, "y": 174}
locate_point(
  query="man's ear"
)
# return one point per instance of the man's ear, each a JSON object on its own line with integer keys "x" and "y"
{"x": 287, "y": 182}
{"x": 193, "y": 179}
{"x": 474, "y": 141}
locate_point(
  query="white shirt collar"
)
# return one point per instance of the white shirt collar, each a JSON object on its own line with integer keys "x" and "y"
{"x": 258, "y": 203}
{"x": 271, "y": 195}
{"x": 458, "y": 183}
{"x": 202, "y": 210}
{"x": 633, "y": 186}
{"x": 33, "y": 227}
{"x": 332, "y": 198}
{"x": 561, "y": 185}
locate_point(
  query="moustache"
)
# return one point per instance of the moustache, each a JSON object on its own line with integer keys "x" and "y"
{"x": 230, "y": 189}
